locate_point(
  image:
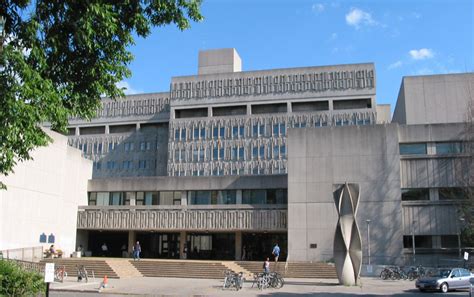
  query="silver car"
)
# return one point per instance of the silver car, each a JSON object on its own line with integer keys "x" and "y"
{"x": 445, "y": 280}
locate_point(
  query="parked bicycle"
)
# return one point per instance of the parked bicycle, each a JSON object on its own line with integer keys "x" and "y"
{"x": 82, "y": 273}
{"x": 416, "y": 272}
{"x": 265, "y": 280}
{"x": 394, "y": 273}
{"x": 233, "y": 280}
{"x": 59, "y": 274}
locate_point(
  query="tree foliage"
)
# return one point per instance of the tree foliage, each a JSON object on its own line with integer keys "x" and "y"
{"x": 57, "y": 58}
{"x": 15, "y": 281}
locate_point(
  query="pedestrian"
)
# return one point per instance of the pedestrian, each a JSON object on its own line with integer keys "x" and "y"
{"x": 266, "y": 266}
{"x": 105, "y": 250}
{"x": 185, "y": 252}
{"x": 124, "y": 251}
{"x": 276, "y": 252}
{"x": 137, "y": 249}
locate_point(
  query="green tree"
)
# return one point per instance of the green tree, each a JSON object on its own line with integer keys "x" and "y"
{"x": 57, "y": 58}
{"x": 15, "y": 281}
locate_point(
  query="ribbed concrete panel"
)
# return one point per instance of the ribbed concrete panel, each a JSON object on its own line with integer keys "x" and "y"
{"x": 430, "y": 219}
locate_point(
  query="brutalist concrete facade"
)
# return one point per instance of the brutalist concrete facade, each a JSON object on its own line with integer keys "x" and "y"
{"x": 305, "y": 130}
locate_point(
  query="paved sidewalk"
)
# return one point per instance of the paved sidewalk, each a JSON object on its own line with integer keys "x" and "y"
{"x": 203, "y": 287}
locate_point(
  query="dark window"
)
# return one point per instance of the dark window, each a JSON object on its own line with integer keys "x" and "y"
{"x": 443, "y": 148}
{"x": 352, "y": 104}
{"x": 199, "y": 197}
{"x": 269, "y": 108}
{"x": 412, "y": 148}
{"x": 449, "y": 241}
{"x": 309, "y": 106}
{"x": 415, "y": 194}
{"x": 190, "y": 113}
{"x": 452, "y": 194}
{"x": 91, "y": 130}
{"x": 421, "y": 241}
{"x": 229, "y": 110}
{"x": 122, "y": 128}
{"x": 151, "y": 198}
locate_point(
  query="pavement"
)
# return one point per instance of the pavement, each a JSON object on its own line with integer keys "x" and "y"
{"x": 151, "y": 286}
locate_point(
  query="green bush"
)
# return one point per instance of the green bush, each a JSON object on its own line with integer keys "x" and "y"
{"x": 14, "y": 281}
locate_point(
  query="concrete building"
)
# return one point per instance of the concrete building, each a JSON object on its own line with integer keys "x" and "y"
{"x": 229, "y": 162}
{"x": 40, "y": 206}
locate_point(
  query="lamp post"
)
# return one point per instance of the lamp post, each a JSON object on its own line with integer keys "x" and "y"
{"x": 368, "y": 239}
{"x": 461, "y": 221}
{"x": 413, "y": 241}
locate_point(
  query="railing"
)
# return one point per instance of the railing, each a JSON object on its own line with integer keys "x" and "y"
{"x": 29, "y": 266}
{"x": 30, "y": 254}
{"x": 192, "y": 217}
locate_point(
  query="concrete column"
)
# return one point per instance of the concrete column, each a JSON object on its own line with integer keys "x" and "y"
{"x": 209, "y": 112}
{"x": 184, "y": 198}
{"x": 172, "y": 115}
{"x": 249, "y": 109}
{"x": 331, "y": 106}
{"x": 238, "y": 198}
{"x": 132, "y": 238}
{"x": 238, "y": 245}
{"x": 107, "y": 129}
{"x": 77, "y": 132}
{"x": 182, "y": 244}
{"x": 137, "y": 128}
{"x": 288, "y": 107}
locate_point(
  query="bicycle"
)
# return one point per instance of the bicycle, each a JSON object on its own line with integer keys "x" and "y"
{"x": 82, "y": 273}
{"x": 232, "y": 279}
{"x": 59, "y": 274}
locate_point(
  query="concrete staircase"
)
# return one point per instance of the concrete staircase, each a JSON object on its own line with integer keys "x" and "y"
{"x": 294, "y": 269}
{"x": 180, "y": 268}
{"x": 123, "y": 268}
{"x": 231, "y": 265}
{"x": 100, "y": 267}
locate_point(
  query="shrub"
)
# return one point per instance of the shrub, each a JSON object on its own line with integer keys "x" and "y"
{"x": 14, "y": 281}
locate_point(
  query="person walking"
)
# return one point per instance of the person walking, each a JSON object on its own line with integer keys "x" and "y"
{"x": 276, "y": 252}
{"x": 137, "y": 249}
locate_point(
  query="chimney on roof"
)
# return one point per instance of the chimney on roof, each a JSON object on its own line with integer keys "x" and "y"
{"x": 216, "y": 61}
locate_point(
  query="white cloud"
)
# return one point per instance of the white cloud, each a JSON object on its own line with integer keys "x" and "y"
{"x": 128, "y": 90}
{"x": 421, "y": 54}
{"x": 317, "y": 8}
{"x": 395, "y": 65}
{"x": 357, "y": 17}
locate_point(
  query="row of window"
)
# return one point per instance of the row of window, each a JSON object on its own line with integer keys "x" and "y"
{"x": 218, "y": 152}
{"x": 126, "y": 164}
{"x": 258, "y": 130}
{"x": 443, "y": 194}
{"x": 97, "y": 148}
{"x": 442, "y": 148}
{"x": 141, "y": 198}
{"x": 426, "y": 241}
{"x": 265, "y": 196}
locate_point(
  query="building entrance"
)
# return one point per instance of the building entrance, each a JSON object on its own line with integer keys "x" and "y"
{"x": 114, "y": 241}
{"x": 259, "y": 246}
{"x": 159, "y": 245}
{"x": 211, "y": 246}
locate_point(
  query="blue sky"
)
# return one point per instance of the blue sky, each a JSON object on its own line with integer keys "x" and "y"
{"x": 401, "y": 37}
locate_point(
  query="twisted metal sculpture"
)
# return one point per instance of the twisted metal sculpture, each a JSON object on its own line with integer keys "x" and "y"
{"x": 347, "y": 241}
